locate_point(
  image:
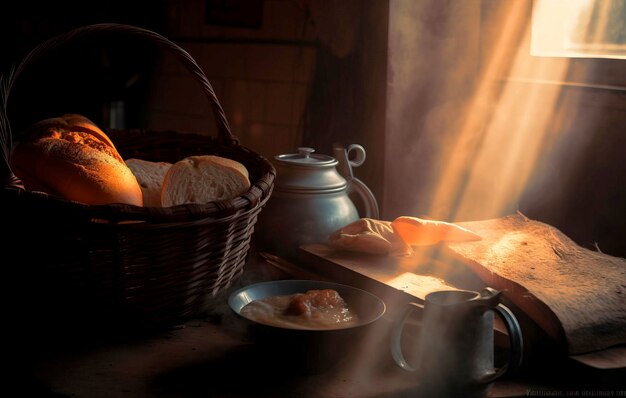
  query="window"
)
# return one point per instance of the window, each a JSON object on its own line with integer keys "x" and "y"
{"x": 579, "y": 28}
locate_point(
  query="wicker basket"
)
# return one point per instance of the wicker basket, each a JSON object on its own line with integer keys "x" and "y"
{"x": 127, "y": 264}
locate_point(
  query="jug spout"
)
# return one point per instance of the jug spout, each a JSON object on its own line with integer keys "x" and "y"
{"x": 342, "y": 153}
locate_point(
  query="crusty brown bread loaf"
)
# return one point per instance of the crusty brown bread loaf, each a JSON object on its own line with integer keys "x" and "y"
{"x": 69, "y": 156}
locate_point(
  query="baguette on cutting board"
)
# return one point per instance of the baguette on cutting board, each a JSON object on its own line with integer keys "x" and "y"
{"x": 421, "y": 232}
{"x": 367, "y": 235}
{"x": 396, "y": 237}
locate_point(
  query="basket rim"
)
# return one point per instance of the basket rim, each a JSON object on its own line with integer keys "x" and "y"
{"x": 115, "y": 213}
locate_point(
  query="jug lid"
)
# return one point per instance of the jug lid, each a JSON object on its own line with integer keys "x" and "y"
{"x": 305, "y": 156}
{"x": 306, "y": 171}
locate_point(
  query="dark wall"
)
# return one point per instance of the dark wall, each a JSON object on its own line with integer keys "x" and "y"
{"x": 347, "y": 101}
{"x": 83, "y": 76}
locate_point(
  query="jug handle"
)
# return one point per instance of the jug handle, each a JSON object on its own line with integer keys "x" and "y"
{"x": 516, "y": 342}
{"x": 396, "y": 338}
{"x": 344, "y": 167}
{"x": 370, "y": 206}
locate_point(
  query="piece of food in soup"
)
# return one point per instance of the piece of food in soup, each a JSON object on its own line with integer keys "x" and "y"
{"x": 304, "y": 303}
{"x": 315, "y": 309}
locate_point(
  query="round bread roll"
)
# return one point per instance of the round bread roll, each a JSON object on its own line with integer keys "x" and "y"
{"x": 69, "y": 156}
{"x": 202, "y": 179}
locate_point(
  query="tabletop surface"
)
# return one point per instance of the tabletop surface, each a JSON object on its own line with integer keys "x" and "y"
{"x": 214, "y": 356}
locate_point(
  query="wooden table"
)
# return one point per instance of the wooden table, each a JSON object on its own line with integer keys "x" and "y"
{"x": 215, "y": 357}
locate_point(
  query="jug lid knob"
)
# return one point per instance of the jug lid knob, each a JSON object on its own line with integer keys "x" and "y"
{"x": 305, "y": 151}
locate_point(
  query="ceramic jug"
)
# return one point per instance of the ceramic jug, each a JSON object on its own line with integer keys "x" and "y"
{"x": 311, "y": 199}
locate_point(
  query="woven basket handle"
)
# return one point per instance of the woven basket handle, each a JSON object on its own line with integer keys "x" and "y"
{"x": 6, "y": 82}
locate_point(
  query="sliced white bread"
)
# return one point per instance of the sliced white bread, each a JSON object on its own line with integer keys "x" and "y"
{"x": 202, "y": 179}
{"x": 150, "y": 176}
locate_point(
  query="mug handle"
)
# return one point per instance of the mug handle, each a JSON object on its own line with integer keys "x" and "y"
{"x": 516, "y": 344}
{"x": 396, "y": 338}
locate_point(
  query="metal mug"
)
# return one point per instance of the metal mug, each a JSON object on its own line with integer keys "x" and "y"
{"x": 454, "y": 354}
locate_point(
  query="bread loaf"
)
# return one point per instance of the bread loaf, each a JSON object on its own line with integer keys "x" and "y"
{"x": 150, "y": 176}
{"x": 397, "y": 237}
{"x": 421, "y": 232}
{"x": 367, "y": 235}
{"x": 69, "y": 156}
{"x": 202, "y": 179}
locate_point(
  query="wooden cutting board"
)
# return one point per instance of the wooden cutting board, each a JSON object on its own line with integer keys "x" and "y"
{"x": 416, "y": 275}
{"x": 577, "y": 296}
